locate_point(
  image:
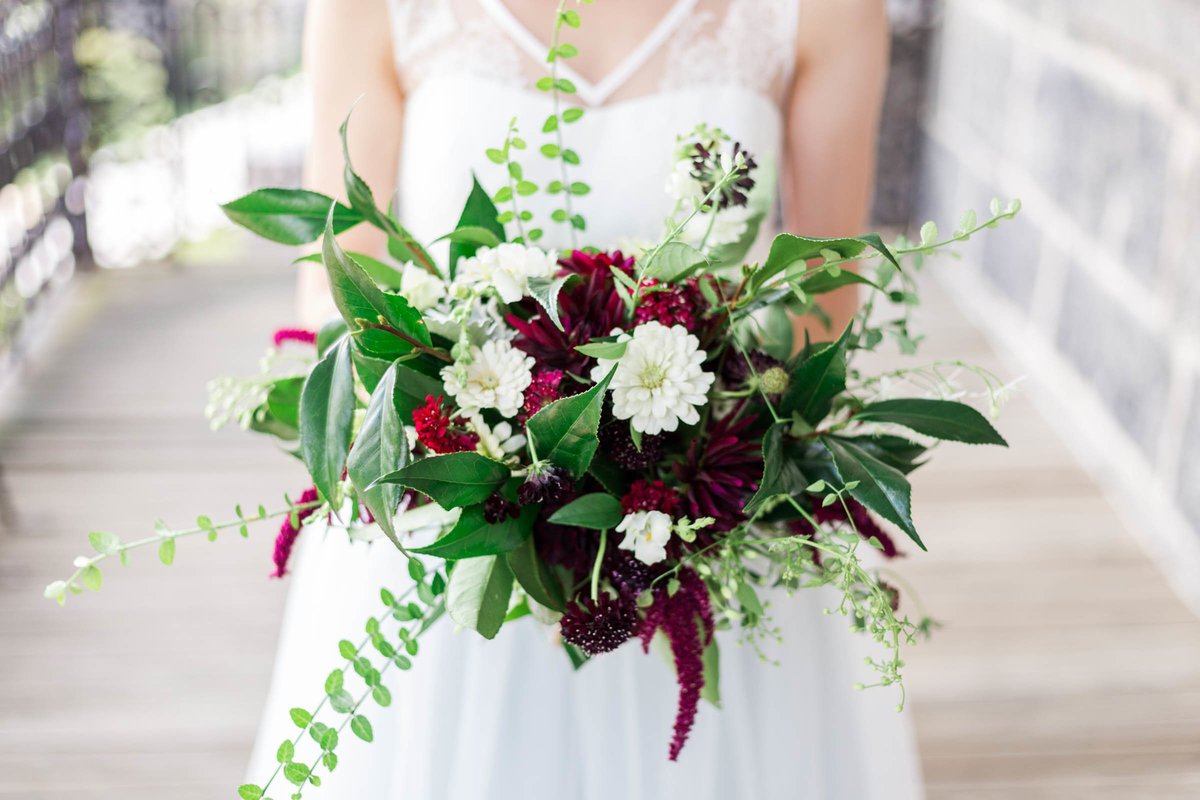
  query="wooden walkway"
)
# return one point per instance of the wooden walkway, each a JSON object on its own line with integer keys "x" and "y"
{"x": 1066, "y": 668}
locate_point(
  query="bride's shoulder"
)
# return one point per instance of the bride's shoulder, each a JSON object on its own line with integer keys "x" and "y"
{"x": 833, "y": 22}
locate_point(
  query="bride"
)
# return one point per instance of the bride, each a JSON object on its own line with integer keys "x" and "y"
{"x": 798, "y": 84}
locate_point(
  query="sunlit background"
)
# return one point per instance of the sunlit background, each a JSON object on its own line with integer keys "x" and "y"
{"x": 1066, "y": 571}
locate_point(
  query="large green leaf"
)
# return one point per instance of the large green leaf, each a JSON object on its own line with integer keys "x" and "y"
{"x": 385, "y": 275}
{"x": 479, "y": 212}
{"x": 895, "y": 451}
{"x": 788, "y": 250}
{"x": 358, "y": 297}
{"x": 941, "y": 419}
{"x": 822, "y": 282}
{"x": 381, "y": 448}
{"x": 283, "y": 401}
{"x": 674, "y": 262}
{"x": 452, "y": 480}
{"x": 534, "y": 576}
{"x": 326, "y": 413}
{"x": 289, "y": 216}
{"x": 473, "y": 536}
{"x": 598, "y": 511}
{"x": 781, "y": 476}
{"x": 478, "y": 593}
{"x": 564, "y": 432}
{"x": 412, "y": 388}
{"x": 818, "y": 379}
{"x": 879, "y": 487}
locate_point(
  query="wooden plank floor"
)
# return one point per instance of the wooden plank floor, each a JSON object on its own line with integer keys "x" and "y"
{"x": 1066, "y": 667}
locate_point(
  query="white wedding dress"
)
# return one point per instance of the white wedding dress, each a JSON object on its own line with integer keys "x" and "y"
{"x": 510, "y": 718}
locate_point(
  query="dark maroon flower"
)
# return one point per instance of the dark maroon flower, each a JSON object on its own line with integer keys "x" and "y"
{"x": 686, "y": 619}
{"x": 599, "y": 626}
{"x": 588, "y": 309}
{"x": 629, "y": 576}
{"x": 543, "y": 390}
{"x": 440, "y": 431}
{"x": 294, "y": 335}
{"x": 720, "y": 472}
{"x": 548, "y": 484}
{"x": 566, "y": 546}
{"x": 497, "y": 508}
{"x": 681, "y": 304}
{"x": 707, "y": 168}
{"x": 618, "y": 443}
{"x": 288, "y": 532}
{"x": 651, "y": 496}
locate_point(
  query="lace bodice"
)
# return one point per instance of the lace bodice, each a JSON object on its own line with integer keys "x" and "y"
{"x": 469, "y": 66}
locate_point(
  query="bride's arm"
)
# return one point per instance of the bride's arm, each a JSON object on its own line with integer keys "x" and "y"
{"x": 348, "y": 55}
{"x": 832, "y": 129}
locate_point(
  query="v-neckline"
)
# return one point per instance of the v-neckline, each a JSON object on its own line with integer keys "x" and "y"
{"x": 594, "y": 94}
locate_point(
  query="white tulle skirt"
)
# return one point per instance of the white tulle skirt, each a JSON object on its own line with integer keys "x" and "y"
{"x": 510, "y": 718}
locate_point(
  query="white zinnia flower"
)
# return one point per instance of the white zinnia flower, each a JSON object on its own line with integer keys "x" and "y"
{"x": 507, "y": 267}
{"x": 421, "y": 289}
{"x": 496, "y": 443}
{"x": 496, "y": 377}
{"x": 728, "y": 227}
{"x": 646, "y": 534}
{"x": 658, "y": 382}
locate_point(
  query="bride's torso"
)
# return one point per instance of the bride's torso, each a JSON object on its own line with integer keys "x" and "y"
{"x": 468, "y": 67}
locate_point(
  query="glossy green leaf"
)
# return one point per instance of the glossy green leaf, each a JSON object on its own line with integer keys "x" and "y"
{"x": 289, "y": 216}
{"x": 381, "y": 448}
{"x": 674, "y": 262}
{"x": 816, "y": 381}
{"x": 564, "y": 432}
{"x": 478, "y": 594}
{"x": 358, "y": 297}
{"x": 385, "y": 275}
{"x": 788, "y": 250}
{"x": 895, "y": 451}
{"x": 326, "y": 412}
{"x": 879, "y": 487}
{"x": 250, "y": 791}
{"x": 598, "y": 511}
{"x": 781, "y": 475}
{"x": 472, "y": 235}
{"x": 473, "y": 536}
{"x": 941, "y": 419}
{"x": 711, "y": 675}
{"x": 823, "y": 282}
{"x": 534, "y": 576}
{"x": 283, "y": 401}
{"x": 609, "y": 350}
{"x": 412, "y": 388}
{"x": 362, "y": 728}
{"x": 452, "y": 480}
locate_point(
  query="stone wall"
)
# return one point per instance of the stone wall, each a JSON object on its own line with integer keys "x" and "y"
{"x": 1089, "y": 111}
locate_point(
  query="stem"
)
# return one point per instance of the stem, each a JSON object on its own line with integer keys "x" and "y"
{"x": 157, "y": 538}
{"x": 596, "y": 566}
{"x": 558, "y": 137}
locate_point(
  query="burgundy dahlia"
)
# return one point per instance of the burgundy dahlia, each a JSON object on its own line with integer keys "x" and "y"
{"x": 549, "y": 484}
{"x": 588, "y": 309}
{"x": 651, "y": 496}
{"x": 618, "y": 443}
{"x": 599, "y": 626}
{"x": 441, "y": 432}
{"x": 288, "y": 533}
{"x": 720, "y": 471}
{"x": 686, "y": 619}
{"x": 629, "y": 576}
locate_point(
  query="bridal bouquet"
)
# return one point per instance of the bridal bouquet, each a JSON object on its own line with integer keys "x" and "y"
{"x": 626, "y": 445}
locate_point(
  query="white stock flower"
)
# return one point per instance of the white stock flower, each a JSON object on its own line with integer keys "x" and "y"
{"x": 658, "y": 382}
{"x": 728, "y": 226}
{"x": 496, "y": 443}
{"x": 496, "y": 377}
{"x": 646, "y": 534}
{"x": 421, "y": 289}
{"x": 508, "y": 268}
